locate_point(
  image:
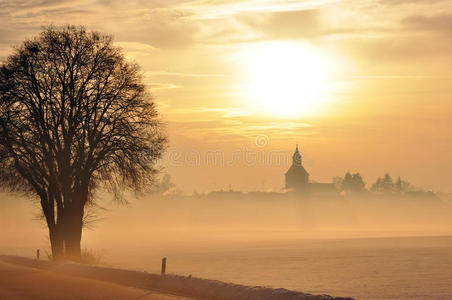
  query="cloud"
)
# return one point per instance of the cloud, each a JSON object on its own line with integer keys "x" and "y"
{"x": 39, "y": 4}
{"x": 154, "y": 23}
{"x": 284, "y": 25}
{"x": 181, "y": 74}
{"x": 386, "y": 54}
{"x": 388, "y": 77}
{"x": 162, "y": 28}
{"x": 135, "y": 48}
{"x": 20, "y": 8}
{"x": 163, "y": 86}
{"x": 441, "y": 23}
{"x": 203, "y": 9}
{"x": 409, "y": 2}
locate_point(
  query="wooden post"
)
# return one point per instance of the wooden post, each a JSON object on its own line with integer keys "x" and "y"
{"x": 37, "y": 254}
{"x": 163, "y": 266}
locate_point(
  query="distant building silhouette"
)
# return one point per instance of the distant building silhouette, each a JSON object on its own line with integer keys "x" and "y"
{"x": 297, "y": 180}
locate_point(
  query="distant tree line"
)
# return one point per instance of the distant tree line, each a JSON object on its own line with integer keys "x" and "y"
{"x": 354, "y": 184}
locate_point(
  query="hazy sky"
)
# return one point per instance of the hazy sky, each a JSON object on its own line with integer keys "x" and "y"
{"x": 361, "y": 85}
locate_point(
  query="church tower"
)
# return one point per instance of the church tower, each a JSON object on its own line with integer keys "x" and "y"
{"x": 297, "y": 178}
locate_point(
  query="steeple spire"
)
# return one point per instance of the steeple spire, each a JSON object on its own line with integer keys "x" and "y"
{"x": 296, "y": 158}
{"x": 297, "y": 177}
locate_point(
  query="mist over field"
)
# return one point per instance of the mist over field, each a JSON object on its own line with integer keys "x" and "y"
{"x": 233, "y": 216}
{"x": 367, "y": 247}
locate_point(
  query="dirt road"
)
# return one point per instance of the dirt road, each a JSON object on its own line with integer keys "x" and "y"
{"x": 25, "y": 283}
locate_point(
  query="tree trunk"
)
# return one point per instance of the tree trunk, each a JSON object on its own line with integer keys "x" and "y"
{"x": 72, "y": 241}
{"x": 73, "y": 221}
{"x": 55, "y": 230}
{"x": 56, "y": 242}
{"x": 73, "y": 234}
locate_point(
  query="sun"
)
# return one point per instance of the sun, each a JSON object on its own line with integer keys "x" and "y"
{"x": 287, "y": 79}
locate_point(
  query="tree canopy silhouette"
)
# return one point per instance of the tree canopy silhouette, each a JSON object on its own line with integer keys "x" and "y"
{"x": 353, "y": 183}
{"x": 74, "y": 115}
{"x": 385, "y": 185}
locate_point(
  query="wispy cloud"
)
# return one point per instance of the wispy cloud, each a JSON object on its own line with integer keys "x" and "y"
{"x": 439, "y": 22}
{"x": 181, "y": 74}
{"x": 387, "y": 77}
{"x": 223, "y": 112}
{"x": 30, "y": 9}
{"x": 163, "y": 86}
{"x": 137, "y": 48}
{"x": 210, "y": 10}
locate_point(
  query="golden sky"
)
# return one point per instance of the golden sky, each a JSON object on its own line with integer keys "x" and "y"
{"x": 364, "y": 86}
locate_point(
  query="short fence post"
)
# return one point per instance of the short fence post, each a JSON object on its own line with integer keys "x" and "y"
{"x": 163, "y": 266}
{"x": 37, "y": 254}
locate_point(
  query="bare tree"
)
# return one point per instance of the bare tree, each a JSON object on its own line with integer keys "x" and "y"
{"x": 74, "y": 116}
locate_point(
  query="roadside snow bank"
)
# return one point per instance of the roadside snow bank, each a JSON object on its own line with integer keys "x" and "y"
{"x": 198, "y": 288}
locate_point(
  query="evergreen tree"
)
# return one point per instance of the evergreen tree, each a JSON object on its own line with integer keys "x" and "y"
{"x": 347, "y": 183}
{"x": 398, "y": 186}
{"x": 377, "y": 186}
{"x": 402, "y": 186}
{"x": 358, "y": 183}
{"x": 387, "y": 184}
{"x": 353, "y": 183}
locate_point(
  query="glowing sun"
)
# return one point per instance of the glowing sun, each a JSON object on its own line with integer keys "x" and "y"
{"x": 288, "y": 80}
